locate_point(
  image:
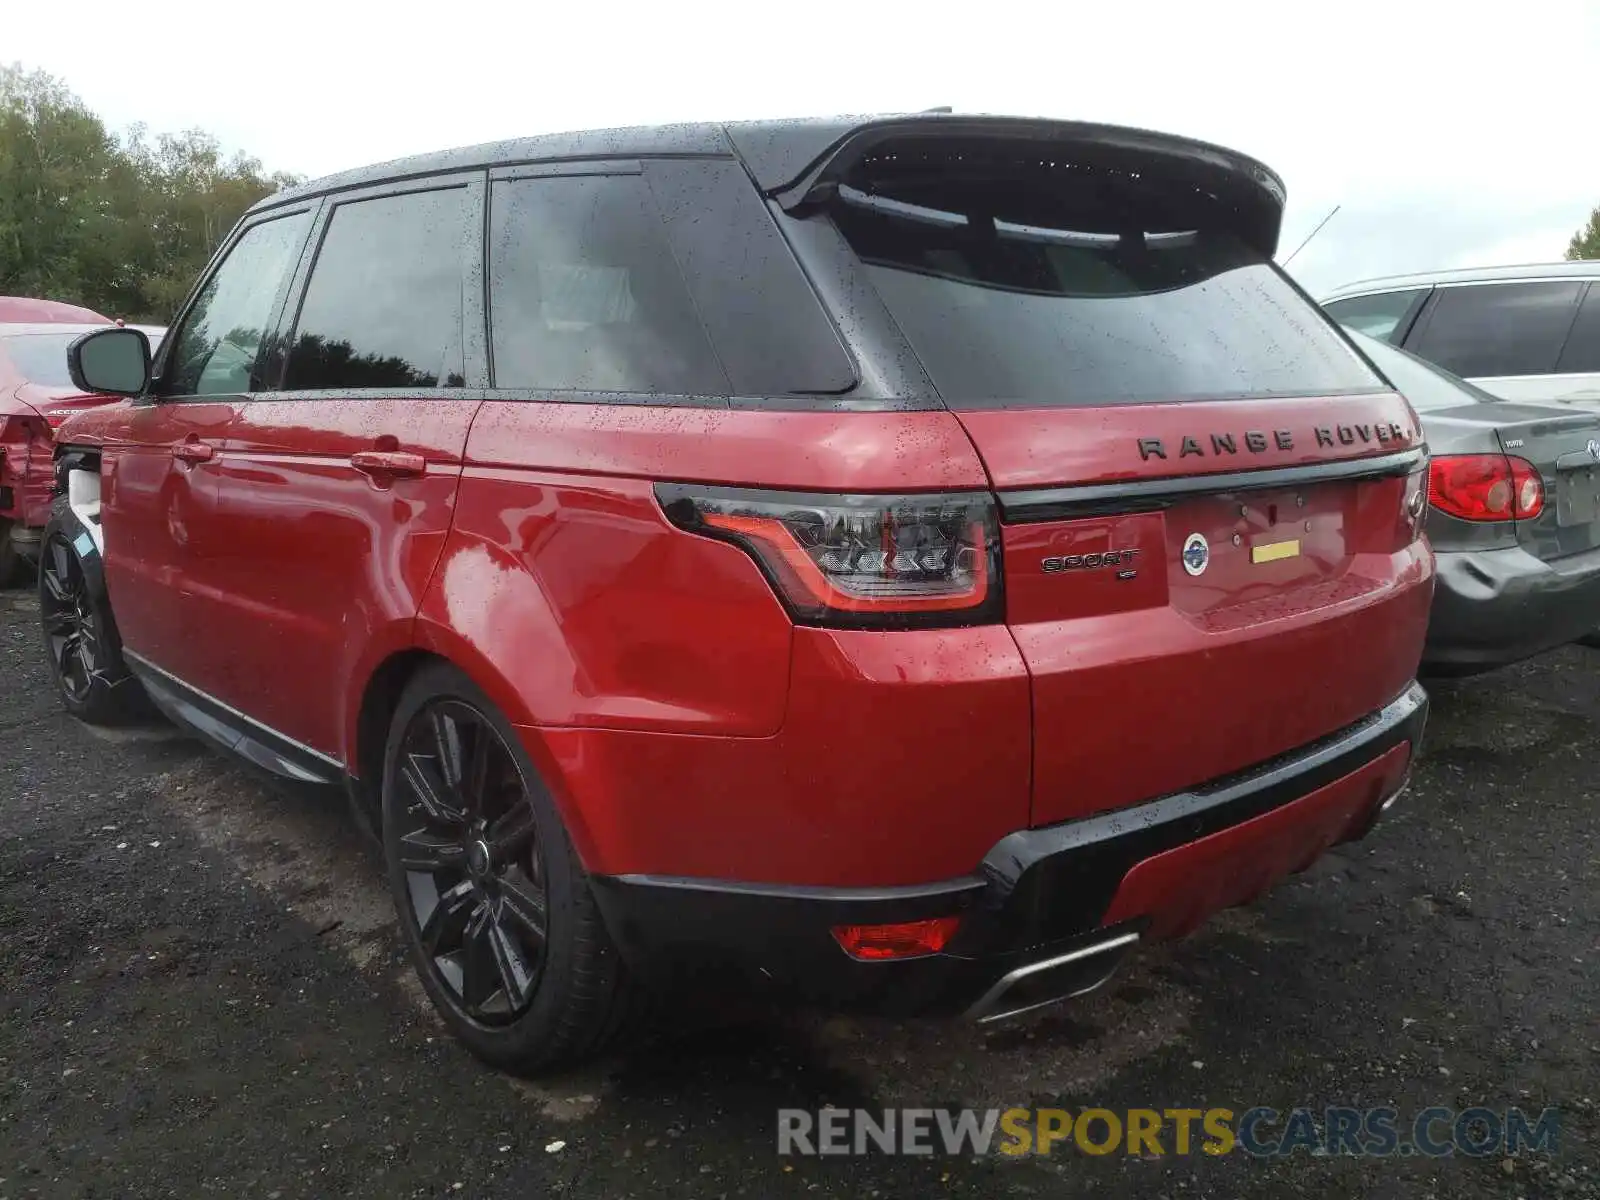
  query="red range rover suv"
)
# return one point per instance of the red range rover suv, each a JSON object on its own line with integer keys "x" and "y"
{"x": 902, "y": 562}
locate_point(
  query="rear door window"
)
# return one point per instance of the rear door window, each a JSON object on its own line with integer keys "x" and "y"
{"x": 1091, "y": 312}
{"x": 383, "y": 307}
{"x": 1489, "y": 329}
{"x": 668, "y": 278}
{"x": 584, "y": 293}
{"x": 1383, "y": 315}
{"x": 1582, "y": 351}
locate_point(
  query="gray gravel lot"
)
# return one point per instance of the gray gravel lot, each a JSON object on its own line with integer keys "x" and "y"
{"x": 203, "y": 995}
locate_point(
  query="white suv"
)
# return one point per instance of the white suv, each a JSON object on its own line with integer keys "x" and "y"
{"x": 1525, "y": 333}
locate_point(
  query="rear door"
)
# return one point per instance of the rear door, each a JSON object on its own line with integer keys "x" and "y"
{"x": 1203, "y": 488}
{"x": 338, "y": 484}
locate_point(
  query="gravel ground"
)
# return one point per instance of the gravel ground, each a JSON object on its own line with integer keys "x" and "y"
{"x": 203, "y": 995}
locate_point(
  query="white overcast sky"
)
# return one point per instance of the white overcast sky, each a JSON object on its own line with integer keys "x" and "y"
{"x": 1451, "y": 134}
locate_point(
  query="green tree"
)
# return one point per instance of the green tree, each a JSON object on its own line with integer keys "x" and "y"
{"x": 55, "y": 162}
{"x": 1586, "y": 242}
{"x": 120, "y": 225}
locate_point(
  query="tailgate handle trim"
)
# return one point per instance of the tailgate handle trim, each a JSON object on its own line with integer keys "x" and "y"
{"x": 1149, "y": 495}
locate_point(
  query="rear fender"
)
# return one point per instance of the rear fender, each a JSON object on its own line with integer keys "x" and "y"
{"x": 436, "y": 636}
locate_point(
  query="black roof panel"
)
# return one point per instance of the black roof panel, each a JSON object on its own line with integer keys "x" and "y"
{"x": 776, "y": 152}
{"x": 641, "y": 141}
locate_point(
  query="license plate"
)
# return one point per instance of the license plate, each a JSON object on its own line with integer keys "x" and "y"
{"x": 1577, "y": 498}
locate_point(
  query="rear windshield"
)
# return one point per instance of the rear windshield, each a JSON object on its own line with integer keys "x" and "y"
{"x": 41, "y": 358}
{"x": 1005, "y": 312}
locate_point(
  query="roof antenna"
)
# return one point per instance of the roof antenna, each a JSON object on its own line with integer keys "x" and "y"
{"x": 1311, "y": 235}
{"x": 943, "y": 108}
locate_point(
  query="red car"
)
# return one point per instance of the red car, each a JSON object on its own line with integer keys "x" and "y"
{"x": 36, "y": 395}
{"x": 899, "y": 563}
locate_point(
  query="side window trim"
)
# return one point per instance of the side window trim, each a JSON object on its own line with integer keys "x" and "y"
{"x": 175, "y": 331}
{"x": 1420, "y": 322}
{"x": 474, "y": 286}
{"x": 1566, "y": 336}
{"x": 274, "y": 354}
{"x": 1591, "y": 292}
{"x": 1402, "y": 327}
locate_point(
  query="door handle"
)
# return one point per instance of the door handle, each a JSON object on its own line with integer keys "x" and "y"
{"x": 194, "y": 451}
{"x": 388, "y": 462}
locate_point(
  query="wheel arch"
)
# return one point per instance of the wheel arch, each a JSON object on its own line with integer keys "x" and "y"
{"x": 380, "y": 696}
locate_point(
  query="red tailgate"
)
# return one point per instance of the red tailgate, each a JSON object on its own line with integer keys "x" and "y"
{"x": 1305, "y": 615}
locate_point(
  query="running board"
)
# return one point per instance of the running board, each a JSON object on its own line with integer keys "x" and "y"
{"x": 230, "y": 729}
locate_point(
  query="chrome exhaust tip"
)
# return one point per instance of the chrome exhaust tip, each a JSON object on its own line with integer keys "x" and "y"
{"x": 1052, "y": 979}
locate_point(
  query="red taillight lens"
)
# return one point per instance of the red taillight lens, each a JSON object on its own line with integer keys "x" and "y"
{"x": 1528, "y": 488}
{"x": 859, "y": 561}
{"x": 909, "y": 939}
{"x": 1485, "y": 487}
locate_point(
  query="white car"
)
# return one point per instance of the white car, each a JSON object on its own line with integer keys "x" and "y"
{"x": 1522, "y": 333}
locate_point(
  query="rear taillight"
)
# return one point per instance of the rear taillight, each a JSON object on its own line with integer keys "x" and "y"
{"x": 859, "y": 561}
{"x": 1485, "y": 487}
{"x": 1529, "y": 488}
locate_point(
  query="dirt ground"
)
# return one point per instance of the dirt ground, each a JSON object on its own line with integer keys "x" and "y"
{"x": 204, "y": 996}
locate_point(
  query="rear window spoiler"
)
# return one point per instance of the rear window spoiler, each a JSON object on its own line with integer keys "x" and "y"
{"x": 800, "y": 165}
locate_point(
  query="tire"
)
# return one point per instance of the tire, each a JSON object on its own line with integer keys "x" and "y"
{"x": 81, "y": 642}
{"x": 478, "y": 858}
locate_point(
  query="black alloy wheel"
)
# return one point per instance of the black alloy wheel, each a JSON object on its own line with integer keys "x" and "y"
{"x": 472, "y": 860}
{"x": 71, "y": 627}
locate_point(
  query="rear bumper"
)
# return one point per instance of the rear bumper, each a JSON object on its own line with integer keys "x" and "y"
{"x": 1493, "y": 607}
{"x": 1049, "y": 911}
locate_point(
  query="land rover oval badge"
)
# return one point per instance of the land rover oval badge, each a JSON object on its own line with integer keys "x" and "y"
{"x": 1196, "y": 554}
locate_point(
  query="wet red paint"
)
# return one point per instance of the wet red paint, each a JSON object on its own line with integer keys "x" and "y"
{"x": 684, "y": 724}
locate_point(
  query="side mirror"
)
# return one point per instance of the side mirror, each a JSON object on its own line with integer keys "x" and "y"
{"x": 112, "y": 360}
